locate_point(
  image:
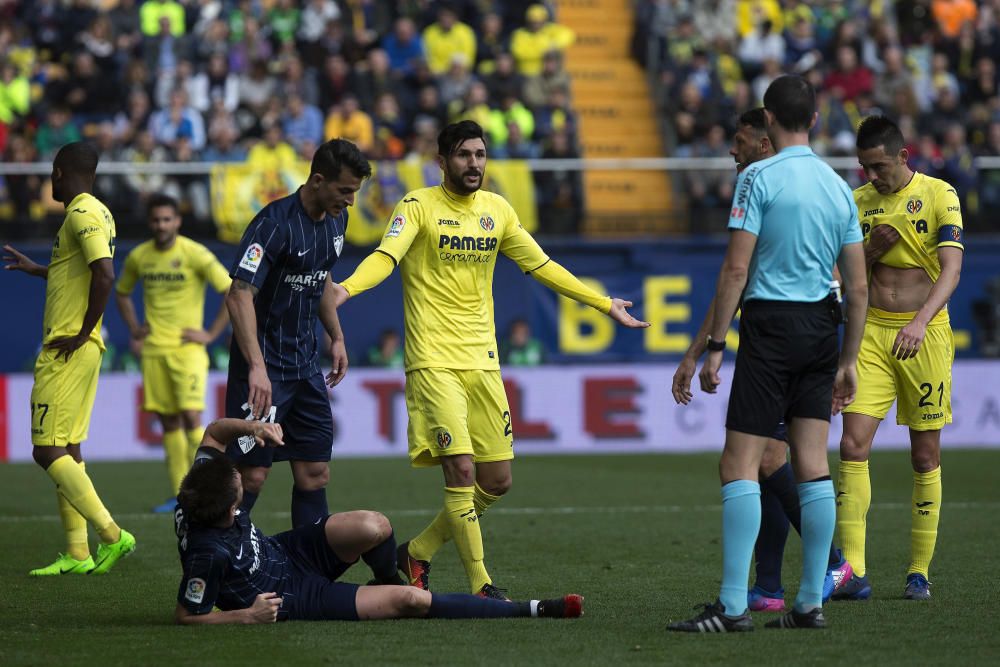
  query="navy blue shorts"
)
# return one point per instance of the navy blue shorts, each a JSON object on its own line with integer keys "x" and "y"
{"x": 781, "y": 433}
{"x": 302, "y": 407}
{"x": 313, "y": 593}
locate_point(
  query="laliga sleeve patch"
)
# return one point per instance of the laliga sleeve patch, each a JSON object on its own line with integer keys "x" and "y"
{"x": 195, "y": 590}
{"x": 252, "y": 257}
{"x": 396, "y": 228}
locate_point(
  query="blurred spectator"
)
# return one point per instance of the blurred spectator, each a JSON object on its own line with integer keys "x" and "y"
{"x": 555, "y": 116}
{"x": 455, "y": 83}
{"x": 404, "y": 46}
{"x": 511, "y": 111}
{"x": 504, "y": 81}
{"x": 178, "y": 121}
{"x": 520, "y": 348}
{"x": 715, "y": 19}
{"x": 446, "y": 38}
{"x": 23, "y": 190}
{"x": 559, "y": 192}
{"x": 90, "y": 95}
{"x": 191, "y": 189}
{"x": 893, "y": 89}
{"x": 538, "y": 90}
{"x": 490, "y": 43}
{"x": 800, "y": 41}
{"x": 134, "y": 118}
{"x": 302, "y": 122}
{"x": 215, "y": 40}
{"x": 539, "y": 36}
{"x": 315, "y": 15}
{"x": 951, "y": 15}
{"x": 348, "y": 121}
{"x": 958, "y": 169}
{"x": 57, "y": 130}
{"x": 750, "y": 14}
{"x": 256, "y": 87}
{"x": 283, "y": 19}
{"x": 335, "y": 82}
{"x": 989, "y": 179}
{"x": 252, "y": 47}
{"x": 429, "y": 105}
{"x": 154, "y": 12}
{"x": 373, "y": 78}
{"x": 143, "y": 185}
{"x": 762, "y": 44}
{"x": 164, "y": 49}
{"x": 476, "y": 106}
{"x": 388, "y": 353}
{"x": 216, "y": 82}
{"x": 849, "y": 75}
{"x": 273, "y": 153}
{"x": 97, "y": 40}
{"x": 390, "y": 128}
{"x": 709, "y": 189}
{"x": 222, "y": 146}
{"x": 297, "y": 80}
{"x": 15, "y": 98}
{"x": 517, "y": 146}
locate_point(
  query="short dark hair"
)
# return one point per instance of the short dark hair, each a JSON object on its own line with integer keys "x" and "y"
{"x": 455, "y": 134}
{"x": 160, "y": 199}
{"x": 78, "y": 158}
{"x": 754, "y": 118}
{"x": 792, "y": 100}
{"x": 336, "y": 154}
{"x": 208, "y": 491}
{"x": 876, "y": 131}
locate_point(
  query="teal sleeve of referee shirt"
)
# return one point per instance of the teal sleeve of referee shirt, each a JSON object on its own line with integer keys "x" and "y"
{"x": 748, "y": 202}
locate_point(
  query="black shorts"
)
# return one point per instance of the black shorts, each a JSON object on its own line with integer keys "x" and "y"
{"x": 302, "y": 407}
{"x": 785, "y": 367}
{"x": 313, "y": 593}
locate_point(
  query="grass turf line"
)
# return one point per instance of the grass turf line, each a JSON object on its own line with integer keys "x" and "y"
{"x": 637, "y": 568}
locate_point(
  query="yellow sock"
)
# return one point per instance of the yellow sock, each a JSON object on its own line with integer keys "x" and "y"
{"x": 461, "y": 514}
{"x": 75, "y": 527}
{"x": 926, "y": 512}
{"x": 482, "y": 500}
{"x": 75, "y": 486}
{"x": 194, "y": 437}
{"x": 433, "y": 537}
{"x": 854, "y": 497}
{"x": 175, "y": 446}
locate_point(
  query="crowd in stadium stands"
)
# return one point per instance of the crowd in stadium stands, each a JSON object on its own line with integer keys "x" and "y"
{"x": 929, "y": 64}
{"x": 267, "y": 81}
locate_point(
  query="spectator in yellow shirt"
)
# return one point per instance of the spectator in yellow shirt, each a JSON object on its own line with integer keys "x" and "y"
{"x": 447, "y": 37}
{"x": 153, "y": 10}
{"x": 348, "y": 121}
{"x": 751, "y": 13}
{"x": 274, "y": 153}
{"x": 529, "y": 44}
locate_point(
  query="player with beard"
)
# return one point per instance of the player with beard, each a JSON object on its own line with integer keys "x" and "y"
{"x": 445, "y": 240}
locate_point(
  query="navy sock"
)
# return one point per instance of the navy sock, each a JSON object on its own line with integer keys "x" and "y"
{"x": 770, "y": 548}
{"x": 782, "y": 484}
{"x": 249, "y": 498}
{"x": 308, "y": 507}
{"x": 463, "y": 605}
{"x": 382, "y": 559}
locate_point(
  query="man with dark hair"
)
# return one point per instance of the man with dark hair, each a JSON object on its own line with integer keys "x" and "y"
{"x": 79, "y": 280}
{"x": 281, "y": 286}
{"x": 174, "y": 271}
{"x": 792, "y": 219}
{"x": 912, "y": 225}
{"x": 450, "y": 236}
{"x": 228, "y": 563}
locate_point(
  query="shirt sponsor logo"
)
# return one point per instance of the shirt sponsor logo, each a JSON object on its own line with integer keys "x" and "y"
{"x": 163, "y": 277}
{"x": 913, "y": 206}
{"x": 481, "y": 243}
{"x": 874, "y": 211}
{"x": 486, "y": 222}
{"x": 396, "y": 227}
{"x": 251, "y": 258}
{"x": 300, "y": 281}
{"x": 195, "y": 590}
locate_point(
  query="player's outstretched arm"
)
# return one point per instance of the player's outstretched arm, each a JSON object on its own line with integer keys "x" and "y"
{"x": 554, "y": 276}
{"x": 102, "y": 279}
{"x": 264, "y": 610}
{"x": 18, "y": 261}
{"x": 223, "y": 431}
{"x": 372, "y": 270}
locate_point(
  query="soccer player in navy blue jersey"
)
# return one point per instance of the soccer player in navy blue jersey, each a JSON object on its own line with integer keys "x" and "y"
{"x": 281, "y": 287}
{"x": 252, "y": 578}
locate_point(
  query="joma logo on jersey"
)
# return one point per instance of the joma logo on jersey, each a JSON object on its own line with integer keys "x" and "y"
{"x": 300, "y": 281}
{"x": 480, "y": 243}
{"x": 449, "y": 223}
{"x": 874, "y": 211}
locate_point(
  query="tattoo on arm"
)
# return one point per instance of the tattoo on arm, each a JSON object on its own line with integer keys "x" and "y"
{"x": 242, "y": 285}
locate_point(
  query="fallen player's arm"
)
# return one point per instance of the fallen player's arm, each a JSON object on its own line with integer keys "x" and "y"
{"x": 264, "y": 610}
{"x": 223, "y": 431}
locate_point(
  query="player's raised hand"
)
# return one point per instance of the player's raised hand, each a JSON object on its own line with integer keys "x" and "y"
{"x": 908, "y": 340}
{"x": 338, "y": 352}
{"x": 268, "y": 435}
{"x": 882, "y": 238}
{"x": 18, "y": 261}
{"x": 265, "y": 608}
{"x": 709, "y": 376}
{"x": 845, "y": 386}
{"x": 340, "y": 295}
{"x": 199, "y": 336}
{"x": 681, "y": 388}
{"x": 259, "y": 396}
{"x": 622, "y": 316}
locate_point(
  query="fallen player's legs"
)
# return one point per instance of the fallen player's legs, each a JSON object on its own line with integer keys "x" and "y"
{"x": 385, "y": 602}
{"x": 769, "y": 550}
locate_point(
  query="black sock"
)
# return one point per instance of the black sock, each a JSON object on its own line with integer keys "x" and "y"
{"x": 782, "y": 484}
{"x": 382, "y": 559}
{"x": 249, "y": 498}
{"x": 308, "y": 507}
{"x": 770, "y": 547}
{"x": 463, "y": 605}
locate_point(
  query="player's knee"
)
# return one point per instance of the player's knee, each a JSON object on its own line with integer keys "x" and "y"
{"x": 925, "y": 460}
{"x": 254, "y": 478}
{"x": 852, "y": 448}
{"x": 312, "y": 477}
{"x": 497, "y": 486}
{"x": 376, "y": 527}
{"x": 191, "y": 419}
{"x": 459, "y": 471}
{"x": 410, "y": 601}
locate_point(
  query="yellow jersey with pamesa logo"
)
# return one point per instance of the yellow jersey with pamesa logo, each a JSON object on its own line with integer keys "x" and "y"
{"x": 446, "y": 246}
{"x": 87, "y": 235}
{"x": 926, "y": 213}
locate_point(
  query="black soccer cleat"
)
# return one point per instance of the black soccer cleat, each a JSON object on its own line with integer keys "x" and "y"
{"x": 795, "y": 620}
{"x": 568, "y": 606}
{"x": 713, "y": 619}
{"x": 415, "y": 572}
{"x": 491, "y": 592}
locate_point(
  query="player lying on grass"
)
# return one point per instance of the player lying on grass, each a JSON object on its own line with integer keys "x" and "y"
{"x": 228, "y": 563}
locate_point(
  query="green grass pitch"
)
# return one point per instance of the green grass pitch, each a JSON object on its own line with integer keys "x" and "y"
{"x": 637, "y": 535}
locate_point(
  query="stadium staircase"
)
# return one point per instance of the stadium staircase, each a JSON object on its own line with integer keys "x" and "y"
{"x": 617, "y": 119}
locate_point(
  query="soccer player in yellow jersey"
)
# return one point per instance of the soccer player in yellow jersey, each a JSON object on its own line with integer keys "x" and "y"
{"x": 445, "y": 240}
{"x": 79, "y": 280}
{"x": 912, "y": 225}
{"x": 174, "y": 271}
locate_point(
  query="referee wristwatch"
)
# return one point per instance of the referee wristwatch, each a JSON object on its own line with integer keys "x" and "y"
{"x": 715, "y": 345}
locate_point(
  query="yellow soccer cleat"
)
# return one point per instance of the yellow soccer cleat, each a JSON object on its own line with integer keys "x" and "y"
{"x": 65, "y": 564}
{"x": 108, "y": 554}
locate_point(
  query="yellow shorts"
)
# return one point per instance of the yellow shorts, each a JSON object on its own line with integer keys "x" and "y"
{"x": 922, "y": 383}
{"x": 174, "y": 380}
{"x": 457, "y": 412}
{"x": 63, "y": 396}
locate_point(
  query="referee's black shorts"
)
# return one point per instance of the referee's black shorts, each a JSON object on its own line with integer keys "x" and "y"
{"x": 785, "y": 367}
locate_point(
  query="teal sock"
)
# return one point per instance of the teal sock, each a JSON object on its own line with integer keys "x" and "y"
{"x": 819, "y": 517}
{"x": 740, "y": 524}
